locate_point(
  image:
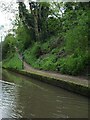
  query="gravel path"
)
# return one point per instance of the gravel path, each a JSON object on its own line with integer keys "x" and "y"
{"x": 73, "y": 79}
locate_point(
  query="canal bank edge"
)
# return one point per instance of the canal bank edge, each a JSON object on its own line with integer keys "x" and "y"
{"x": 70, "y": 86}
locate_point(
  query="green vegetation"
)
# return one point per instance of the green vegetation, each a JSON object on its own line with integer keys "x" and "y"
{"x": 13, "y": 62}
{"x": 52, "y": 36}
{"x": 8, "y": 46}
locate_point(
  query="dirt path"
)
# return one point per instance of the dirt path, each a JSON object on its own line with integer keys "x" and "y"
{"x": 73, "y": 79}
{"x": 76, "y": 80}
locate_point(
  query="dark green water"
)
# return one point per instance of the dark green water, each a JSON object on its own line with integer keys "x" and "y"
{"x": 23, "y": 97}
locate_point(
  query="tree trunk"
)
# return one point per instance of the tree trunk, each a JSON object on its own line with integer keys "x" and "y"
{"x": 34, "y": 12}
{"x": 36, "y": 24}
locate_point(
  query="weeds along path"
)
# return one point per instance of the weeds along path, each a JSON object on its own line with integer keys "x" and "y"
{"x": 76, "y": 80}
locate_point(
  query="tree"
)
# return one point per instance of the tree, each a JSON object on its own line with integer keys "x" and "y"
{"x": 36, "y": 19}
{"x": 8, "y": 46}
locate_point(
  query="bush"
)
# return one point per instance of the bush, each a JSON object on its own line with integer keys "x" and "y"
{"x": 48, "y": 62}
{"x": 13, "y": 62}
{"x": 72, "y": 65}
{"x": 32, "y": 54}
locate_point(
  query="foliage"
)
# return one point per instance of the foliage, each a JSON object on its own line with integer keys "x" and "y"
{"x": 23, "y": 37}
{"x": 8, "y": 45}
{"x": 12, "y": 62}
{"x": 32, "y": 53}
{"x": 72, "y": 65}
{"x": 52, "y": 36}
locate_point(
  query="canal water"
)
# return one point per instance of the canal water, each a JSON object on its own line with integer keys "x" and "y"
{"x": 24, "y": 97}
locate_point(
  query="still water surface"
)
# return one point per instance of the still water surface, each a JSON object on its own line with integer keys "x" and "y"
{"x": 23, "y": 97}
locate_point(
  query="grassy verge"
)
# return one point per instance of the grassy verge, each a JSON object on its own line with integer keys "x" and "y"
{"x": 12, "y": 62}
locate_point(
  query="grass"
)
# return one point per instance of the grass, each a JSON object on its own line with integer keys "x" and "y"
{"x": 12, "y": 62}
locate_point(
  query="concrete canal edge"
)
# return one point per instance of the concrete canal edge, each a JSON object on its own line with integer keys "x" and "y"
{"x": 70, "y": 86}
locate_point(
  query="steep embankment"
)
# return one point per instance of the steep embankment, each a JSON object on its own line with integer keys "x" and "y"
{"x": 52, "y": 55}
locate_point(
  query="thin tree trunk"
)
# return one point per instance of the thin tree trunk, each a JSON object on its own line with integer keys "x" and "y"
{"x": 36, "y": 24}
{"x": 35, "y": 15}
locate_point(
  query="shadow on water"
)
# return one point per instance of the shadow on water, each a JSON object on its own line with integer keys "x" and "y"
{"x": 23, "y": 97}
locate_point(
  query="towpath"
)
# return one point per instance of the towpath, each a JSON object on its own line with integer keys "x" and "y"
{"x": 68, "y": 78}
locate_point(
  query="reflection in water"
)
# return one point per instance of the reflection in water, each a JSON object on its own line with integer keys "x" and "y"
{"x": 24, "y": 97}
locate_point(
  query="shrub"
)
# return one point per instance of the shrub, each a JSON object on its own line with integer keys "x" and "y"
{"x": 72, "y": 65}
{"x": 13, "y": 62}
